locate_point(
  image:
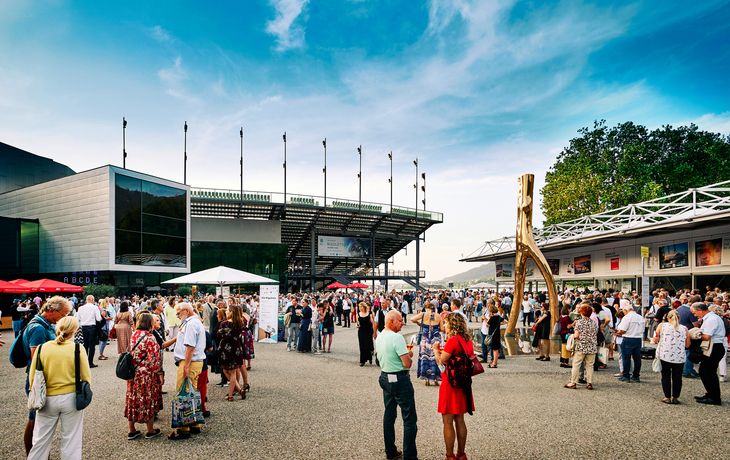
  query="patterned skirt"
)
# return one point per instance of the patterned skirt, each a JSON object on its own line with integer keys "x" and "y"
{"x": 427, "y": 367}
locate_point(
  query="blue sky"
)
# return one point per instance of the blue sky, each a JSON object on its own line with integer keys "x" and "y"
{"x": 481, "y": 92}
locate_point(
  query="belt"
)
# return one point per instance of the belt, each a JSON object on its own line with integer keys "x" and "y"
{"x": 398, "y": 373}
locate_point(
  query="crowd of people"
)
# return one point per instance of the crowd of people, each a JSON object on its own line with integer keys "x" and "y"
{"x": 207, "y": 335}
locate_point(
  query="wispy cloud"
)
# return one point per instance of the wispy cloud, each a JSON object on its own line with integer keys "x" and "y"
{"x": 288, "y": 34}
{"x": 160, "y": 34}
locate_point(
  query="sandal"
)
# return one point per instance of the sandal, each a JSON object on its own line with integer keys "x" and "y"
{"x": 461, "y": 456}
{"x": 448, "y": 456}
{"x": 667, "y": 401}
{"x": 149, "y": 435}
{"x": 569, "y": 385}
{"x": 675, "y": 401}
{"x": 177, "y": 434}
{"x": 428, "y": 384}
{"x": 492, "y": 366}
{"x": 228, "y": 398}
{"x": 589, "y": 387}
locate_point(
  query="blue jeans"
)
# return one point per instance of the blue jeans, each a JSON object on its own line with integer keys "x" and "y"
{"x": 17, "y": 327}
{"x": 631, "y": 348}
{"x": 396, "y": 394}
{"x": 486, "y": 349}
{"x": 293, "y": 336}
{"x": 689, "y": 366}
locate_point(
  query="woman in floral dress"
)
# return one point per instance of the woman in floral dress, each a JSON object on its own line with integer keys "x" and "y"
{"x": 430, "y": 323}
{"x": 231, "y": 349}
{"x": 143, "y": 395}
{"x": 123, "y": 324}
{"x": 248, "y": 353}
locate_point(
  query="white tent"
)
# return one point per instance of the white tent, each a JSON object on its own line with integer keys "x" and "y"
{"x": 483, "y": 286}
{"x": 221, "y": 276}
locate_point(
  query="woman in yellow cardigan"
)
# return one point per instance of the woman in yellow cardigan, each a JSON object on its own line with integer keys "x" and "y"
{"x": 57, "y": 358}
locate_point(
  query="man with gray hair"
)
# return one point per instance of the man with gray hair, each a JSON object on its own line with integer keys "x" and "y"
{"x": 88, "y": 315}
{"x": 189, "y": 356}
{"x": 631, "y": 330}
{"x": 712, "y": 329}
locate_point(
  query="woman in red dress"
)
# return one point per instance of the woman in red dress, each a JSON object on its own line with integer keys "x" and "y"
{"x": 143, "y": 393}
{"x": 453, "y": 401}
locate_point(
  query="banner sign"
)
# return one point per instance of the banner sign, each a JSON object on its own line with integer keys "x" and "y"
{"x": 269, "y": 314}
{"x": 673, "y": 256}
{"x": 708, "y": 252}
{"x": 336, "y": 246}
{"x": 503, "y": 270}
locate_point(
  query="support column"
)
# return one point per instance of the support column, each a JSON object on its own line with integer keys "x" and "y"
{"x": 313, "y": 261}
{"x": 372, "y": 252}
{"x": 418, "y": 259}
{"x": 386, "y": 275}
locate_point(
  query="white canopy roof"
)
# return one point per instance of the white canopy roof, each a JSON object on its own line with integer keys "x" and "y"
{"x": 221, "y": 276}
{"x": 483, "y": 285}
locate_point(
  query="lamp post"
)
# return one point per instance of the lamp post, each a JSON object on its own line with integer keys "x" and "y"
{"x": 359, "y": 179}
{"x": 418, "y": 234}
{"x": 390, "y": 181}
{"x": 185, "y": 160}
{"x": 423, "y": 189}
{"x": 124, "y": 143}
{"x": 241, "y": 133}
{"x": 324, "y": 171}
{"x": 284, "y": 215}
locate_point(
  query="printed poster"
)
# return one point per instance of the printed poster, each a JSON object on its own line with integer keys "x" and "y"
{"x": 269, "y": 313}
{"x": 504, "y": 270}
{"x": 554, "y": 265}
{"x": 582, "y": 265}
{"x": 569, "y": 266}
{"x": 708, "y": 252}
{"x": 673, "y": 255}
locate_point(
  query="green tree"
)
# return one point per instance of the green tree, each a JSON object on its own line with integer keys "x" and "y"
{"x": 607, "y": 168}
{"x": 184, "y": 291}
{"x": 100, "y": 291}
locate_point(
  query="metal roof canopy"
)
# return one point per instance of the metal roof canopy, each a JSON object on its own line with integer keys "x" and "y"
{"x": 695, "y": 208}
{"x": 390, "y": 229}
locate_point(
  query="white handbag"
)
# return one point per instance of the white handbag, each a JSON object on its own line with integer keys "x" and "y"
{"x": 37, "y": 393}
{"x": 656, "y": 365}
{"x": 570, "y": 345}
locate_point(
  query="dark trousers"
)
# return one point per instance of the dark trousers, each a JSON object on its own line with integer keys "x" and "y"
{"x": 339, "y": 315}
{"x": 708, "y": 371}
{"x": 397, "y": 394}
{"x": 631, "y": 348}
{"x": 89, "y": 334}
{"x": 672, "y": 379}
{"x": 486, "y": 349}
{"x": 346, "y": 318}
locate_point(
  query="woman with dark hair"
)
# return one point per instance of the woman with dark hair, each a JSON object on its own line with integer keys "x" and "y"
{"x": 365, "y": 333}
{"x": 305, "y": 335}
{"x": 454, "y": 402}
{"x": 144, "y": 398}
{"x": 565, "y": 325}
{"x": 231, "y": 350}
{"x": 586, "y": 331}
{"x": 542, "y": 333}
{"x": 125, "y": 326}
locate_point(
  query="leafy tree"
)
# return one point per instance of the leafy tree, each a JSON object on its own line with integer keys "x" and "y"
{"x": 100, "y": 291}
{"x": 184, "y": 291}
{"x": 607, "y": 168}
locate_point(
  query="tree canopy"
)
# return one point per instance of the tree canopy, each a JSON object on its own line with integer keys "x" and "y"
{"x": 607, "y": 168}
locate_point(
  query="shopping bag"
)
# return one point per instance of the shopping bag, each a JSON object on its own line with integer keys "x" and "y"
{"x": 37, "y": 393}
{"x": 186, "y": 406}
{"x": 602, "y": 355}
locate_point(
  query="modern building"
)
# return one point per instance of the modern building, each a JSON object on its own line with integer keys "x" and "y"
{"x": 111, "y": 225}
{"x": 687, "y": 234}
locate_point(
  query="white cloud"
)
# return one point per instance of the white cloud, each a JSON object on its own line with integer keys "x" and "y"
{"x": 160, "y": 34}
{"x": 288, "y": 35}
{"x": 711, "y": 122}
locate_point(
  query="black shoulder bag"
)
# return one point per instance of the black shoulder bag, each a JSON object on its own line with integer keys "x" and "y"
{"x": 83, "y": 389}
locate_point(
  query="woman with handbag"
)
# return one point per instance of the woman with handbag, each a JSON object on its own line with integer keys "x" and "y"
{"x": 123, "y": 323}
{"x": 106, "y": 317}
{"x": 541, "y": 340}
{"x": 430, "y": 326}
{"x": 144, "y": 395}
{"x": 231, "y": 350}
{"x": 58, "y": 362}
{"x": 247, "y": 336}
{"x": 673, "y": 339}
{"x": 566, "y": 324}
{"x": 494, "y": 341}
{"x": 453, "y": 402}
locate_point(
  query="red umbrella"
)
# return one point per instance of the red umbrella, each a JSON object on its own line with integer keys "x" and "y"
{"x": 336, "y": 286}
{"x": 358, "y": 286}
{"x": 13, "y": 288}
{"x": 46, "y": 285}
{"x": 19, "y": 281}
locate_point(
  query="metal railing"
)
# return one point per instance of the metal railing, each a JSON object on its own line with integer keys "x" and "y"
{"x": 259, "y": 197}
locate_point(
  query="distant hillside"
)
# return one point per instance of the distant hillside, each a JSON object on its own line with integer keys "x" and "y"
{"x": 484, "y": 272}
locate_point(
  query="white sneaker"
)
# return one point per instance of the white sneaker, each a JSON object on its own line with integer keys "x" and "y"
{"x": 618, "y": 375}
{"x": 317, "y": 353}
{"x": 722, "y": 378}
{"x": 288, "y": 349}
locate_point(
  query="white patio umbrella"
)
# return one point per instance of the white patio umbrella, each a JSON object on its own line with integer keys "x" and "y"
{"x": 483, "y": 286}
{"x": 221, "y": 276}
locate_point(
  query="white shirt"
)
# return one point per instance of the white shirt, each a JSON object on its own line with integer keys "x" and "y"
{"x": 623, "y": 302}
{"x": 634, "y": 325}
{"x": 345, "y": 304}
{"x": 714, "y": 326}
{"x": 404, "y": 307}
{"x": 88, "y": 315}
{"x": 462, "y": 314}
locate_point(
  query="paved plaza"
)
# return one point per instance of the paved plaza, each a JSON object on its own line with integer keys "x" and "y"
{"x": 327, "y": 407}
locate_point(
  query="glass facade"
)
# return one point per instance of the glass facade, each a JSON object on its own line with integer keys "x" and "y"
{"x": 19, "y": 251}
{"x": 269, "y": 260}
{"x": 150, "y": 225}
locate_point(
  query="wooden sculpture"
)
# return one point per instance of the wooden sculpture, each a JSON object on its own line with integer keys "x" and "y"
{"x": 527, "y": 248}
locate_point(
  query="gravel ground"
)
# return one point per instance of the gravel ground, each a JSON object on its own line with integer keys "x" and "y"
{"x": 312, "y": 407}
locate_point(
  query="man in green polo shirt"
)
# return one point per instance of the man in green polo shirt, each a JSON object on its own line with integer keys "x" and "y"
{"x": 395, "y": 380}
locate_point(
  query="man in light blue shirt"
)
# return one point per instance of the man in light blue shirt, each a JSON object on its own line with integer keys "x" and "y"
{"x": 712, "y": 328}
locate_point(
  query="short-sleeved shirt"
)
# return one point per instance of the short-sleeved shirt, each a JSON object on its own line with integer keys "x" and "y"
{"x": 686, "y": 317}
{"x": 391, "y": 346}
{"x": 38, "y": 331}
{"x": 713, "y": 325}
{"x": 295, "y": 319}
{"x": 191, "y": 334}
{"x": 661, "y": 313}
{"x": 634, "y": 325}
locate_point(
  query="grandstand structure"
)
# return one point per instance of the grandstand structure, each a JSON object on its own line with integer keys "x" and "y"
{"x": 304, "y": 218}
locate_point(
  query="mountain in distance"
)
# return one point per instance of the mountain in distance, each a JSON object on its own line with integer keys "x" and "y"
{"x": 484, "y": 272}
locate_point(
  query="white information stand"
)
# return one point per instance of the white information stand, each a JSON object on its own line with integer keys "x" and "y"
{"x": 269, "y": 314}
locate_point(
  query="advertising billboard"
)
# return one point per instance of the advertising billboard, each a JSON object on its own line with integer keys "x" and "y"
{"x": 337, "y": 246}
{"x": 673, "y": 256}
{"x": 708, "y": 252}
{"x": 582, "y": 264}
{"x": 503, "y": 271}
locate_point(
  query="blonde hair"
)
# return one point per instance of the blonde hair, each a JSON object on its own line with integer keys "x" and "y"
{"x": 363, "y": 307}
{"x": 66, "y": 327}
{"x": 673, "y": 319}
{"x": 457, "y": 326}
{"x": 104, "y": 304}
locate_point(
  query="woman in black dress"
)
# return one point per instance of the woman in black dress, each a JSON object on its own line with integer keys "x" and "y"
{"x": 542, "y": 333}
{"x": 365, "y": 333}
{"x": 305, "y": 335}
{"x": 494, "y": 322}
